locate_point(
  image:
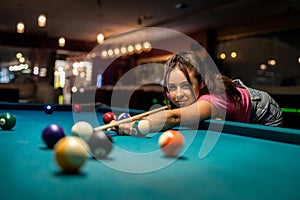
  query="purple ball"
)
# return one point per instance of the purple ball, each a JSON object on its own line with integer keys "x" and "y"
{"x": 52, "y": 134}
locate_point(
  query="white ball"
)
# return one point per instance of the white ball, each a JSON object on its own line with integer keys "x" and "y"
{"x": 144, "y": 127}
{"x": 82, "y": 129}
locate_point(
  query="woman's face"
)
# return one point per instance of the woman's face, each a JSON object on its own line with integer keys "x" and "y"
{"x": 181, "y": 92}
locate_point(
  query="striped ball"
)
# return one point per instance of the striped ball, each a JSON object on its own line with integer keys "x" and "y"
{"x": 171, "y": 142}
{"x": 71, "y": 153}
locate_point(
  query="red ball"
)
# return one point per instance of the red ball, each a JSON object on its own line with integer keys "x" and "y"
{"x": 108, "y": 117}
{"x": 77, "y": 107}
{"x": 171, "y": 142}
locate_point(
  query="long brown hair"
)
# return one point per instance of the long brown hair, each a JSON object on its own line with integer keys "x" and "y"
{"x": 214, "y": 82}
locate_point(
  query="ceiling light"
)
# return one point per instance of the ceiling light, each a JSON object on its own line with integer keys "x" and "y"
{"x": 100, "y": 38}
{"x": 233, "y": 54}
{"x": 61, "y": 41}
{"x": 42, "y": 20}
{"x": 222, "y": 56}
{"x": 19, "y": 55}
{"x": 20, "y": 27}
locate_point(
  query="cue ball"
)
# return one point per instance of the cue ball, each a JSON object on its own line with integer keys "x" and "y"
{"x": 52, "y": 134}
{"x": 100, "y": 144}
{"x": 82, "y": 129}
{"x": 108, "y": 117}
{"x": 71, "y": 153}
{"x": 141, "y": 128}
{"x": 48, "y": 108}
{"x": 77, "y": 107}
{"x": 171, "y": 142}
{"x": 7, "y": 121}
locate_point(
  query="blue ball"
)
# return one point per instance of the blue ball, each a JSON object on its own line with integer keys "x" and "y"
{"x": 52, "y": 134}
{"x": 49, "y": 108}
{"x": 123, "y": 116}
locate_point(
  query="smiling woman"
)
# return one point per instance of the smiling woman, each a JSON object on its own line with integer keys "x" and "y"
{"x": 197, "y": 93}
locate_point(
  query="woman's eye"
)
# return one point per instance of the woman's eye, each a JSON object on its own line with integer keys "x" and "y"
{"x": 172, "y": 87}
{"x": 186, "y": 86}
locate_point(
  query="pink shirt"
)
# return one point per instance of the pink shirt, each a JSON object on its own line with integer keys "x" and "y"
{"x": 232, "y": 114}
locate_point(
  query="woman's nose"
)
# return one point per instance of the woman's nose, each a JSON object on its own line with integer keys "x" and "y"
{"x": 179, "y": 93}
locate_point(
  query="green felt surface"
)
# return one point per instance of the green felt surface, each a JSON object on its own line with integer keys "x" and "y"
{"x": 237, "y": 167}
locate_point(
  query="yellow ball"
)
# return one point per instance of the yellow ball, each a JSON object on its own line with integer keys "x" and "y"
{"x": 71, "y": 153}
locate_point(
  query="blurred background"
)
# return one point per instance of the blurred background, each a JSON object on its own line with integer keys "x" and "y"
{"x": 46, "y": 45}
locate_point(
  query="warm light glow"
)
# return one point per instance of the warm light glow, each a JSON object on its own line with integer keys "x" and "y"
{"x": 110, "y": 52}
{"x": 104, "y": 53}
{"x": 147, "y": 46}
{"x": 19, "y": 55}
{"x": 263, "y": 67}
{"x": 20, "y": 27}
{"x": 42, "y": 20}
{"x": 272, "y": 62}
{"x": 138, "y": 47}
{"x": 233, "y": 54}
{"x": 22, "y": 60}
{"x": 299, "y": 60}
{"x": 100, "y": 38}
{"x": 222, "y": 56}
{"x": 116, "y": 51}
{"x": 61, "y": 41}
{"x": 123, "y": 50}
{"x": 130, "y": 48}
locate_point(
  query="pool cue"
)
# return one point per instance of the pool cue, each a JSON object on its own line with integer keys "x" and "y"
{"x": 130, "y": 119}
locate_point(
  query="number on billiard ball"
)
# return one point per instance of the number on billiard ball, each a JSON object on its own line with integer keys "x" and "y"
{"x": 108, "y": 117}
{"x": 7, "y": 121}
{"x": 52, "y": 134}
{"x": 71, "y": 153}
{"x": 100, "y": 144}
{"x": 48, "y": 108}
{"x": 171, "y": 142}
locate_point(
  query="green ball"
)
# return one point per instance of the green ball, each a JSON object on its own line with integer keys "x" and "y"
{"x": 7, "y": 121}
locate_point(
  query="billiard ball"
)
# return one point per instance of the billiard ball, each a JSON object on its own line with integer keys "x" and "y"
{"x": 77, "y": 107}
{"x": 108, "y": 117}
{"x": 171, "y": 142}
{"x": 49, "y": 108}
{"x": 82, "y": 129}
{"x": 100, "y": 144}
{"x": 71, "y": 153}
{"x": 52, "y": 134}
{"x": 123, "y": 116}
{"x": 7, "y": 121}
{"x": 141, "y": 128}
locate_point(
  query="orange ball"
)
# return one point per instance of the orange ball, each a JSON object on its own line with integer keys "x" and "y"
{"x": 171, "y": 142}
{"x": 71, "y": 153}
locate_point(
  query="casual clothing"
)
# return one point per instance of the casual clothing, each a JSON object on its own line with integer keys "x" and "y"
{"x": 256, "y": 107}
{"x": 232, "y": 113}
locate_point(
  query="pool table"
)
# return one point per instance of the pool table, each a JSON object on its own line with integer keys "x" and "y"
{"x": 245, "y": 162}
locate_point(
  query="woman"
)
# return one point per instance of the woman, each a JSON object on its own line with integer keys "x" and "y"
{"x": 197, "y": 93}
